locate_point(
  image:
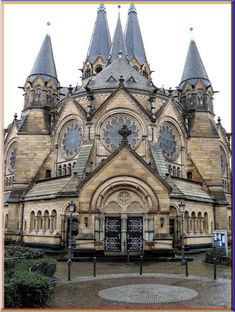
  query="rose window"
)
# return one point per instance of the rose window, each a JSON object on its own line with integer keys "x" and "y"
{"x": 168, "y": 142}
{"x": 109, "y": 131}
{"x": 72, "y": 139}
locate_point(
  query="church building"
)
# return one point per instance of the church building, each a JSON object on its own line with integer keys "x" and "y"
{"x": 143, "y": 166}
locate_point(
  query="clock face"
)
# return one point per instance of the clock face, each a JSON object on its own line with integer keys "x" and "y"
{"x": 168, "y": 142}
{"x": 72, "y": 139}
{"x": 109, "y": 131}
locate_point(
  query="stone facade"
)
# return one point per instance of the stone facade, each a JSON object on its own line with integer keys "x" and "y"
{"x": 126, "y": 191}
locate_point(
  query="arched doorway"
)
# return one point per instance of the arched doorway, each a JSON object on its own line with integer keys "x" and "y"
{"x": 124, "y": 208}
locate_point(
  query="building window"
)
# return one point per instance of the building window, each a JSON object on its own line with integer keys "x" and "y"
{"x": 189, "y": 175}
{"x": 48, "y": 173}
{"x": 32, "y": 221}
{"x": 205, "y": 222}
{"x": 69, "y": 168}
{"x": 98, "y": 68}
{"x": 149, "y": 229}
{"x": 99, "y": 234}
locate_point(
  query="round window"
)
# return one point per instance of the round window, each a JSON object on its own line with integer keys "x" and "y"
{"x": 168, "y": 142}
{"x": 109, "y": 131}
{"x": 72, "y": 139}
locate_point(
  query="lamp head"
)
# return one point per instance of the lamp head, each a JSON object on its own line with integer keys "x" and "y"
{"x": 72, "y": 207}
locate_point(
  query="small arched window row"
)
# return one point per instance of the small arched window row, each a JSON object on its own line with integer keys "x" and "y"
{"x": 65, "y": 169}
{"x": 174, "y": 171}
{"x": 196, "y": 223}
{"x": 43, "y": 222}
{"x": 9, "y": 181}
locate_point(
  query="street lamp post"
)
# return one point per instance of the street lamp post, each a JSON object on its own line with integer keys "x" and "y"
{"x": 72, "y": 209}
{"x": 182, "y": 209}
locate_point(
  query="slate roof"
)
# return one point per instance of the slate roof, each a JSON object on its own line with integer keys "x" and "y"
{"x": 44, "y": 64}
{"x": 100, "y": 41}
{"x": 110, "y": 75}
{"x": 82, "y": 160}
{"x": 133, "y": 37}
{"x": 118, "y": 43}
{"x": 159, "y": 159}
{"x": 194, "y": 68}
{"x": 50, "y": 187}
{"x": 191, "y": 190}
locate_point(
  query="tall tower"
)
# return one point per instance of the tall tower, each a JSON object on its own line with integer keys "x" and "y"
{"x": 196, "y": 95}
{"x": 34, "y": 132}
{"x": 134, "y": 43}
{"x": 99, "y": 47}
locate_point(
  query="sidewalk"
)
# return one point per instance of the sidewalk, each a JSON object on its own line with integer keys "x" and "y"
{"x": 163, "y": 284}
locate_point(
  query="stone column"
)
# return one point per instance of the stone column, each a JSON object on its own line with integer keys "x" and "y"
{"x": 44, "y": 220}
{"x": 51, "y": 224}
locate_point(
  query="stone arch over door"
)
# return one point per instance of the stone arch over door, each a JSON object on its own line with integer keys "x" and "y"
{"x": 124, "y": 195}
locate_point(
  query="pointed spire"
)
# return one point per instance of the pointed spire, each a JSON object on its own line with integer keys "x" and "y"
{"x": 133, "y": 37}
{"x": 118, "y": 44}
{"x": 100, "y": 41}
{"x": 194, "y": 68}
{"x": 44, "y": 64}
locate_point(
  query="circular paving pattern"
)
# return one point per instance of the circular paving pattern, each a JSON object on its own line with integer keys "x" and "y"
{"x": 148, "y": 293}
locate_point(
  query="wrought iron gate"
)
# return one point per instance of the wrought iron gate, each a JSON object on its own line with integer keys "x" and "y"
{"x": 112, "y": 234}
{"x": 135, "y": 233}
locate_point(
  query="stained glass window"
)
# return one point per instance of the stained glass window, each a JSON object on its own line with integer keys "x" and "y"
{"x": 12, "y": 158}
{"x": 168, "y": 141}
{"x": 72, "y": 139}
{"x": 109, "y": 131}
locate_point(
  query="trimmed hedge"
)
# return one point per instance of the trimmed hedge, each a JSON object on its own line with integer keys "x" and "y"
{"x": 15, "y": 251}
{"x": 27, "y": 286}
{"x": 219, "y": 254}
{"x": 27, "y": 290}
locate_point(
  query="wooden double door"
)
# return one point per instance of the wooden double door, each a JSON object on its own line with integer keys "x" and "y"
{"x": 134, "y": 234}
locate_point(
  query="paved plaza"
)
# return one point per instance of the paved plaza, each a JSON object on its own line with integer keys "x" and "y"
{"x": 162, "y": 284}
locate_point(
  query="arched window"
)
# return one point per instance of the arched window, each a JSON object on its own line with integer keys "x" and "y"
{"x": 178, "y": 171}
{"x": 200, "y": 222}
{"x": 53, "y": 220}
{"x": 189, "y": 175}
{"x": 174, "y": 171}
{"x": 187, "y": 222}
{"x": 60, "y": 171}
{"x": 45, "y": 226}
{"x": 32, "y": 221}
{"x": 69, "y": 168}
{"x": 194, "y": 222}
{"x": 64, "y": 170}
{"x": 39, "y": 221}
{"x": 205, "y": 222}
{"x": 48, "y": 173}
{"x": 170, "y": 169}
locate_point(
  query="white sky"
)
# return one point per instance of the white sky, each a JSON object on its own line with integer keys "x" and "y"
{"x": 166, "y": 36}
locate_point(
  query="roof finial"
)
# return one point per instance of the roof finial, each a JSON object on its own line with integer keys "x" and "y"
{"x": 48, "y": 24}
{"x": 191, "y": 33}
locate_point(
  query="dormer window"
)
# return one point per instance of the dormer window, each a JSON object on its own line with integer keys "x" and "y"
{"x": 98, "y": 68}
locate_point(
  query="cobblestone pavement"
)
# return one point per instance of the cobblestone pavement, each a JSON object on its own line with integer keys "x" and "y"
{"x": 86, "y": 291}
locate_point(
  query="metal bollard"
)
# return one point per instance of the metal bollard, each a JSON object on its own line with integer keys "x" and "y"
{"x": 186, "y": 266}
{"x": 69, "y": 263}
{"x": 214, "y": 268}
{"x": 128, "y": 257}
{"x": 94, "y": 266}
{"x": 141, "y": 265}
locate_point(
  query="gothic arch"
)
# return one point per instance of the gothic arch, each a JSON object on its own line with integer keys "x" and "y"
{"x": 102, "y": 193}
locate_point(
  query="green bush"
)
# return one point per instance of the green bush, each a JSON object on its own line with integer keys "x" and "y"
{"x": 27, "y": 290}
{"x": 23, "y": 252}
{"x": 218, "y": 256}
